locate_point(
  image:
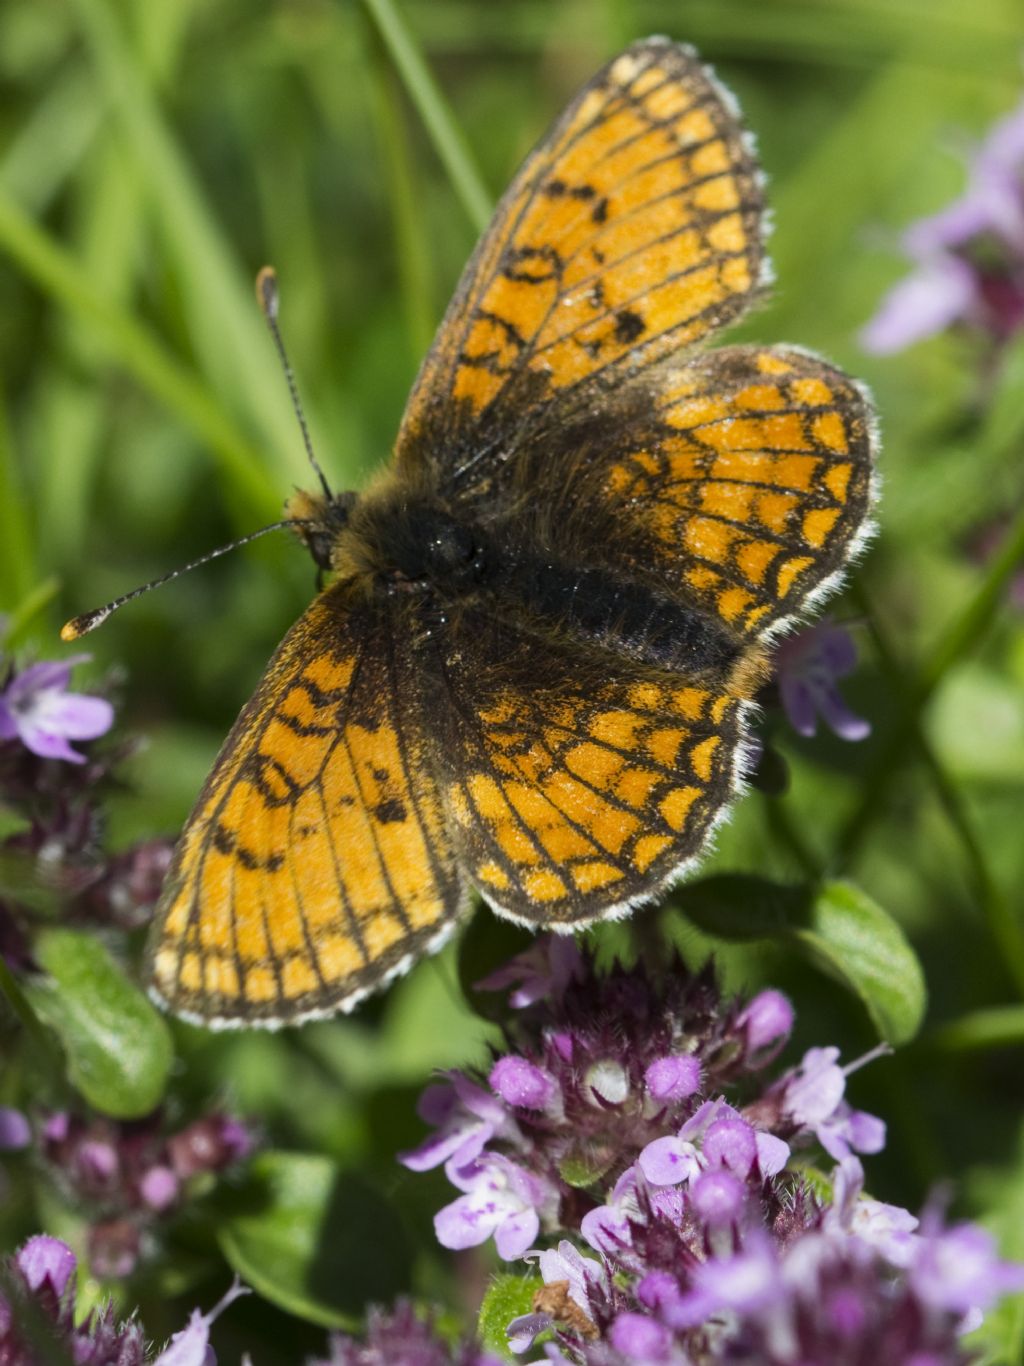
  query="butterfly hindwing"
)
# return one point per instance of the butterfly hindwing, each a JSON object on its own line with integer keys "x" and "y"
{"x": 633, "y": 229}
{"x": 743, "y": 479}
{"x": 577, "y": 786}
{"x": 316, "y": 863}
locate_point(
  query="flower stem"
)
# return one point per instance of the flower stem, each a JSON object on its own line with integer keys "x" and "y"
{"x": 1003, "y": 927}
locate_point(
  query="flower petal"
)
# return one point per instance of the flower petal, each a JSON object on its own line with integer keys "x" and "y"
{"x": 49, "y": 745}
{"x": 45, "y": 1259}
{"x": 466, "y": 1222}
{"x": 516, "y": 1234}
{"x": 74, "y": 714}
{"x": 925, "y": 303}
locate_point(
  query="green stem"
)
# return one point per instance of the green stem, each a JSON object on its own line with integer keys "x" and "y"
{"x": 446, "y": 135}
{"x": 960, "y": 639}
{"x": 786, "y": 832}
{"x": 1003, "y": 926}
{"x": 996, "y": 1027}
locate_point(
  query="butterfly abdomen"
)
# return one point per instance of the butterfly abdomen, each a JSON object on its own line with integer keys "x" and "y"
{"x": 606, "y": 609}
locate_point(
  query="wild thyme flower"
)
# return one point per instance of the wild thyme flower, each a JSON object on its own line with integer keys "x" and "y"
{"x": 809, "y": 665}
{"x": 659, "y": 1150}
{"x": 595, "y": 1070}
{"x": 37, "y": 1311}
{"x": 37, "y": 710}
{"x": 60, "y": 837}
{"x": 968, "y": 258}
{"x": 402, "y": 1338}
{"x": 127, "y": 1176}
{"x": 598, "y": 1066}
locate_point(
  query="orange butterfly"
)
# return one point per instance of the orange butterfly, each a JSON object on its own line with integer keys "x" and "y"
{"x": 531, "y": 673}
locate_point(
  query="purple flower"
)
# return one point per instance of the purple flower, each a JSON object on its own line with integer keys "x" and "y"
{"x": 126, "y": 1176}
{"x": 808, "y": 666}
{"x": 717, "y": 1197}
{"x": 544, "y": 970}
{"x": 45, "y": 1261}
{"x": 958, "y": 1269}
{"x": 640, "y": 1338}
{"x": 466, "y": 1118}
{"x": 37, "y": 709}
{"x": 399, "y": 1337}
{"x": 708, "y": 1243}
{"x": 767, "y": 1021}
{"x": 968, "y": 258}
{"x": 15, "y": 1130}
{"x": 607, "y": 1228}
{"x": 500, "y": 1198}
{"x": 43, "y": 1270}
{"x": 191, "y": 1347}
{"x": 671, "y": 1079}
{"x": 814, "y": 1097}
{"x": 746, "y": 1282}
{"x": 521, "y": 1083}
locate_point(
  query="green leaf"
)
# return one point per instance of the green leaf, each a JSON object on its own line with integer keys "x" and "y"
{"x": 507, "y": 1297}
{"x": 118, "y": 1048}
{"x": 837, "y": 926}
{"x": 317, "y": 1241}
{"x": 858, "y": 943}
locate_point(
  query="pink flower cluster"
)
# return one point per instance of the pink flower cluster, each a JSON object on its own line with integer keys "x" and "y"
{"x": 631, "y": 1120}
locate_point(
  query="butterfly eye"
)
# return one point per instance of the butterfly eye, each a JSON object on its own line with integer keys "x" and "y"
{"x": 452, "y": 547}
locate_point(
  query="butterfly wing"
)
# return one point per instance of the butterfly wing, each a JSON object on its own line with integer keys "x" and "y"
{"x": 741, "y": 481}
{"x": 632, "y": 230}
{"x": 577, "y": 786}
{"x": 316, "y": 863}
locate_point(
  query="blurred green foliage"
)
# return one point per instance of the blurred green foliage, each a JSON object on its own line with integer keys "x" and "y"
{"x": 153, "y": 155}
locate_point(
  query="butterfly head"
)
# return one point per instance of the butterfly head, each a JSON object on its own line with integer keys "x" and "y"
{"x": 319, "y": 521}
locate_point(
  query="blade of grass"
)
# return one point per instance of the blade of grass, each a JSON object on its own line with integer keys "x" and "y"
{"x": 29, "y": 611}
{"x": 110, "y": 227}
{"x": 17, "y": 554}
{"x": 51, "y": 142}
{"x": 108, "y": 233}
{"x": 135, "y": 349}
{"x": 414, "y": 271}
{"x": 448, "y": 139}
{"x": 225, "y": 323}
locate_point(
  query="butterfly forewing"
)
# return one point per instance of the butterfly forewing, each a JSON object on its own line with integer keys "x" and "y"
{"x": 631, "y": 231}
{"x": 316, "y": 862}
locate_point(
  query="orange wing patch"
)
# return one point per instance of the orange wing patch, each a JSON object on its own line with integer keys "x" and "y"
{"x": 316, "y": 862}
{"x": 631, "y": 231}
{"x": 570, "y": 798}
{"x": 752, "y": 483}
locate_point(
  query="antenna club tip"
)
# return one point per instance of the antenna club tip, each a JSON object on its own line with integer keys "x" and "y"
{"x": 73, "y": 630}
{"x": 266, "y": 291}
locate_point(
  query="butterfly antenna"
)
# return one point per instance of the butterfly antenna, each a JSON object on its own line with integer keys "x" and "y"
{"x": 266, "y": 293}
{"x": 88, "y": 621}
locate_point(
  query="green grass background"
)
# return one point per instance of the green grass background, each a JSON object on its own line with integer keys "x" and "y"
{"x": 154, "y": 155}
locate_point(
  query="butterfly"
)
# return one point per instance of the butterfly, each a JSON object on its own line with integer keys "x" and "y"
{"x": 532, "y": 672}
